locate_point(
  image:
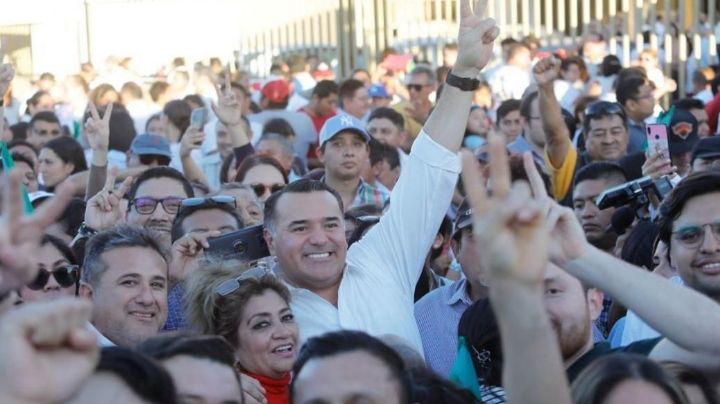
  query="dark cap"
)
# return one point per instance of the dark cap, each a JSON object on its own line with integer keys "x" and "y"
{"x": 707, "y": 148}
{"x": 683, "y": 132}
{"x": 464, "y": 217}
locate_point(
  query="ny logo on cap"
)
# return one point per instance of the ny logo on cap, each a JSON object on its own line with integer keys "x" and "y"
{"x": 346, "y": 120}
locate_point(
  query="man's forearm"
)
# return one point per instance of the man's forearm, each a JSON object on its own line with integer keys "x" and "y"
{"x": 447, "y": 122}
{"x": 662, "y": 304}
{"x": 238, "y": 134}
{"x": 525, "y": 332}
{"x": 96, "y": 180}
{"x": 557, "y": 136}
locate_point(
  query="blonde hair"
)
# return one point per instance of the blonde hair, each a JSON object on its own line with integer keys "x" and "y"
{"x": 210, "y": 313}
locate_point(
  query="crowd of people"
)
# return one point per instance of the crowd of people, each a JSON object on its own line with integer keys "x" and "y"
{"x": 576, "y": 261}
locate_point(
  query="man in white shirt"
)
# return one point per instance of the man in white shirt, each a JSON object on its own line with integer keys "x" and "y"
{"x": 370, "y": 287}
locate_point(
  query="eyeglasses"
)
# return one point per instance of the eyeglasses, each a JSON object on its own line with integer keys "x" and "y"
{"x": 415, "y": 87}
{"x": 602, "y": 108}
{"x": 261, "y": 188}
{"x": 693, "y": 236}
{"x": 147, "y": 205}
{"x": 219, "y": 199}
{"x": 65, "y": 276}
{"x": 232, "y": 285}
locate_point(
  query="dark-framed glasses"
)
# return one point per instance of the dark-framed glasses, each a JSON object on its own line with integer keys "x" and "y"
{"x": 146, "y": 205}
{"x": 65, "y": 276}
{"x": 261, "y": 188}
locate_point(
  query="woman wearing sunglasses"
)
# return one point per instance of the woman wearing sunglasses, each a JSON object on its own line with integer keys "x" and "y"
{"x": 263, "y": 174}
{"x": 58, "y": 272}
{"x": 251, "y": 310}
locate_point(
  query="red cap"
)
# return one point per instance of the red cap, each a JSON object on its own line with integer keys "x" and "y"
{"x": 276, "y": 91}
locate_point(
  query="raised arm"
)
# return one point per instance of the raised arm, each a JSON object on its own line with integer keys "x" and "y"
{"x": 557, "y": 136}
{"x": 97, "y": 131}
{"x": 510, "y": 226}
{"x": 446, "y": 124}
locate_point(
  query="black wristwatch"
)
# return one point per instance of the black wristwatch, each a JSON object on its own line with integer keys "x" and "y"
{"x": 462, "y": 83}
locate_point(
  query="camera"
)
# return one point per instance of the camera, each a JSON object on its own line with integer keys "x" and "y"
{"x": 635, "y": 193}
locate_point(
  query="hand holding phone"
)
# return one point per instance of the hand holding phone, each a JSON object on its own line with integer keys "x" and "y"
{"x": 657, "y": 139}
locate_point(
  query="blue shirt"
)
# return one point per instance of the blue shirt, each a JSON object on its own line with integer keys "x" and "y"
{"x": 636, "y": 135}
{"x": 437, "y": 315}
{"x": 176, "y": 309}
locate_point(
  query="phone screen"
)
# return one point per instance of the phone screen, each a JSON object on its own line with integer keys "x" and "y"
{"x": 657, "y": 139}
{"x": 198, "y": 117}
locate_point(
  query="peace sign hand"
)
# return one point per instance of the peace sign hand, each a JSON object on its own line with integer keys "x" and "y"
{"x": 97, "y": 130}
{"x": 509, "y": 224}
{"x": 475, "y": 39}
{"x": 103, "y": 210}
{"x": 20, "y": 234}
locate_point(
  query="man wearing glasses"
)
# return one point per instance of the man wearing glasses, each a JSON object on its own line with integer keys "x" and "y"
{"x": 416, "y": 110}
{"x": 44, "y": 127}
{"x": 605, "y": 132}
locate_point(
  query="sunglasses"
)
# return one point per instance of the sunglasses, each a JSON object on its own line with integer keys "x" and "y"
{"x": 147, "y": 205}
{"x": 415, "y": 87}
{"x": 603, "y": 108}
{"x": 218, "y": 199}
{"x": 260, "y": 189}
{"x": 693, "y": 236}
{"x": 65, "y": 276}
{"x": 232, "y": 285}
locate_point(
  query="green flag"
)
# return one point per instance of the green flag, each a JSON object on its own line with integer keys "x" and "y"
{"x": 463, "y": 371}
{"x": 8, "y": 164}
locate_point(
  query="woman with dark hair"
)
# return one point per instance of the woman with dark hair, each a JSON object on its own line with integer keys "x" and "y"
{"x": 250, "y": 308}
{"x": 58, "y": 272}
{"x": 59, "y": 159}
{"x": 103, "y": 95}
{"x": 618, "y": 378}
{"x": 263, "y": 173}
{"x": 279, "y": 126}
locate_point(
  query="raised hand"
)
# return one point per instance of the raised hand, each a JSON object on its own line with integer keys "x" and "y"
{"x": 191, "y": 140}
{"x": 97, "y": 130}
{"x": 20, "y": 234}
{"x": 7, "y": 73}
{"x": 47, "y": 352}
{"x": 227, "y": 109}
{"x": 475, "y": 39}
{"x": 656, "y": 165}
{"x": 186, "y": 252}
{"x": 509, "y": 225}
{"x": 103, "y": 210}
{"x": 546, "y": 71}
{"x": 567, "y": 239}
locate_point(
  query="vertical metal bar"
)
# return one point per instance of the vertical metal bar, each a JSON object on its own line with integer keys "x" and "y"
{"x": 697, "y": 45}
{"x": 639, "y": 40}
{"x": 712, "y": 39}
{"x": 599, "y": 10}
{"x": 612, "y": 13}
{"x": 536, "y": 18}
{"x": 682, "y": 49}
{"x": 573, "y": 19}
{"x": 502, "y": 17}
{"x": 525, "y": 10}
{"x": 585, "y": 16}
{"x": 653, "y": 18}
{"x": 668, "y": 38}
{"x": 513, "y": 19}
{"x": 549, "y": 24}
{"x": 626, "y": 36}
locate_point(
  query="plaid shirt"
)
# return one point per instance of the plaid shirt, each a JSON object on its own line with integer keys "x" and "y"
{"x": 367, "y": 194}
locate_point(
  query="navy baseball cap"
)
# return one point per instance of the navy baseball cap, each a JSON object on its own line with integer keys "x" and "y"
{"x": 342, "y": 123}
{"x": 150, "y": 144}
{"x": 683, "y": 132}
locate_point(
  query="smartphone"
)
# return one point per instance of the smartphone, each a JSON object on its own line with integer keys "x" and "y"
{"x": 199, "y": 117}
{"x": 246, "y": 244}
{"x": 657, "y": 139}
